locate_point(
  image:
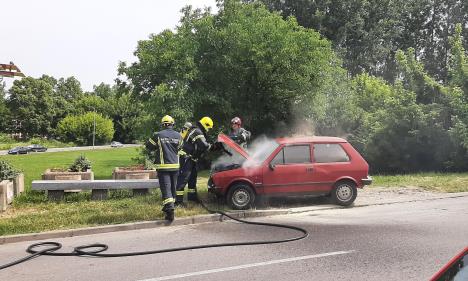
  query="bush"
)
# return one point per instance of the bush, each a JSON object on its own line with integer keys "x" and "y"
{"x": 5, "y": 138}
{"x": 7, "y": 172}
{"x": 81, "y": 164}
{"x": 80, "y": 128}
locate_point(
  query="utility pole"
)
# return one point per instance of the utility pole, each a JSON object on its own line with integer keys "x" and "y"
{"x": 94, "y": 125}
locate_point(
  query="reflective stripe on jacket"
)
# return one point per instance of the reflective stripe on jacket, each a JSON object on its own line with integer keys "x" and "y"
{"x": 166, "y": 144}
{"x": 195, "y": 143}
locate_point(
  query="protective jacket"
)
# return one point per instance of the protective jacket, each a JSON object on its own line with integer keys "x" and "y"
{"x": 166, "y": 145}
{"x": 195, "y": 143}
{"x": 241, "y": 136}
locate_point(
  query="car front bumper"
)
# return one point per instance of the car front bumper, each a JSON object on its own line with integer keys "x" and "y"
{"x": 367, "y": 181}
{"x": 212, "y": 188}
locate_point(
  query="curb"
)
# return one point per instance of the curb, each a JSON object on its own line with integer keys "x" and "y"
{"x": 136, "y": 225}
{"x": 191, "y": 220}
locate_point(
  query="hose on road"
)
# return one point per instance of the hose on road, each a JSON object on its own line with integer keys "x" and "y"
{"x": 97, "y": 250}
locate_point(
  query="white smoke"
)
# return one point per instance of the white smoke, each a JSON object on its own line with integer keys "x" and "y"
{"x": 259, "y": 150}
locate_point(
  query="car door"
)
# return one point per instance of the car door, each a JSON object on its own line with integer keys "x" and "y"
{"x": 331, "y": 162}
{"x": 290, "y": 170}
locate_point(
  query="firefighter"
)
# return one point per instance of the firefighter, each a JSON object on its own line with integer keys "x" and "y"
{"x": 195, "y": 145}
{"x": 166, "y": 144}
{"x": 192, "y": 181}
{"x": 238, "y": 134}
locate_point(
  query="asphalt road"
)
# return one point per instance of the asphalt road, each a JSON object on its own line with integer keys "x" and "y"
{"x": 398, "y": 241}
{"x": 5, "y": 152}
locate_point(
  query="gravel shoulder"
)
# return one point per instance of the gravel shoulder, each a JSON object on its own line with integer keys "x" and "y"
{"x": 396, "y": 194}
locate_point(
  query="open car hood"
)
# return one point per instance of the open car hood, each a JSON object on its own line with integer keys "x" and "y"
{"x": 231, "y": 144}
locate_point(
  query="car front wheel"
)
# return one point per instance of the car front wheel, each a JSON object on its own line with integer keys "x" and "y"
{"x": 344, "y": 193}
{"x": 241, "y": 196}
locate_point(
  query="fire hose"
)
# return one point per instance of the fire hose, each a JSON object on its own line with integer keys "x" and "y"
{"x": 98, "y": 249}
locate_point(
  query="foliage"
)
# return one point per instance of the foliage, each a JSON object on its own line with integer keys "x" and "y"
{"x": 7, "y": 171}
{"x": 397, "y": 134}
{"x": 81, "y": 164}
{"x": 4, "y": 110}
{"x": 7, "y": 142}
{"x": 368, "y": 33}
{"x": 81, "y": 128}
{"x": 244, "y": 61}
{"x": 127, "y": 113}
{"x": 31, "y": 106}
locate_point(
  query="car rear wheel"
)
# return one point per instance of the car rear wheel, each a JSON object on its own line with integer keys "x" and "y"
{"x": 344, "y": 193}
{"x": 241, "y": 196}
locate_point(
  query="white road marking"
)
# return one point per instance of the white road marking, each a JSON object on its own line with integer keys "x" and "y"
{"x": 197, "y": 273}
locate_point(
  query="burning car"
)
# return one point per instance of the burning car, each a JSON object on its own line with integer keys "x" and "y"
{"x": 321, "y": 166}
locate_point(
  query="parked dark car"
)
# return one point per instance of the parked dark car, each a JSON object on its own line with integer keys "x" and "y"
{"x": 19, "y": 150}
{"x": 37, "y": 148}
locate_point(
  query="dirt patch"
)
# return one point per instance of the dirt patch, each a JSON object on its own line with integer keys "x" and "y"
{"x": 376, "y": 195}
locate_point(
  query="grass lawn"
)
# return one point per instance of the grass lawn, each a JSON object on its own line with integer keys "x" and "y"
{"x": 103, "y": 161}
{"x": 441, "y": 182}
{"x": 31, "y": 212}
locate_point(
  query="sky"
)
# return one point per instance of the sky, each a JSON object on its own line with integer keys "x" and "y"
{"x": 82, "y": 38}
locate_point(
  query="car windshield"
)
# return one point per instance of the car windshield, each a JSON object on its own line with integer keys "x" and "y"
{"x": 261, "y": 148}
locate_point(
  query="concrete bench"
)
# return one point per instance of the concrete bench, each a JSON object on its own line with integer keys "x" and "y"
{"x": 99, "y": 188}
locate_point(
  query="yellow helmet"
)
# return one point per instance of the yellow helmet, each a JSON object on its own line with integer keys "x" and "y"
{"x": 207, "y": 123}
{"x": 167, "y": 120}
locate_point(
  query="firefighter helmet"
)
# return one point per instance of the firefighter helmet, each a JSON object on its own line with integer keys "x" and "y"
{"x": 236, "y": 120}
{"x": 167, "y": 120}
{"x": 207, "y": 123}
{"x": 185, "y": 129}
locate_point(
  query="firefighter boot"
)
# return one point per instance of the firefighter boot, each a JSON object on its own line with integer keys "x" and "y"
{"x": 169, "y": 215}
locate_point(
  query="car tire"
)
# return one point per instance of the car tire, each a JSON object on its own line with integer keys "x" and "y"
{"x": 240, "y": 197}
{"x": 344, "y": 193}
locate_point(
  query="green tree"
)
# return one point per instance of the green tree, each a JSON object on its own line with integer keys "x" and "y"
{"x": 458, "y": 64}
{"x": 243, "y": 61}
{"x": 368, "y": 33}
{"x": 5, "y": 118}
{"x": 396, "y": 133}
{"x": 80, "y": 128}
{"x": 104, "y": 91}
{"x": 31, "y": 105}
{"x": 127, "y": 115}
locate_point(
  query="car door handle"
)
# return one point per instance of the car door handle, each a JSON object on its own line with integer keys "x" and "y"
{"x": 309, "y": 169}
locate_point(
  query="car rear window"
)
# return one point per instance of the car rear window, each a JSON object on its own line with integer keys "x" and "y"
{"x": 329, "y": 153}
{"x": 293, "y": 155}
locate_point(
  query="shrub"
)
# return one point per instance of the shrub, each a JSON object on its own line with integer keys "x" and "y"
{"x": 81, "y": 164}
{"x": 80, "y": 128}
{"x": 7, "y": 172}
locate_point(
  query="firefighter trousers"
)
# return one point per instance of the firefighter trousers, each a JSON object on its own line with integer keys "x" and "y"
{"x": 187, "y": 174}
{"x": 168, "y": 184}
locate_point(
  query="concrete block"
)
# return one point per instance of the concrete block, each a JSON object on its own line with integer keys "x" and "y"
{"x": 99, "y": 194}
{"x": 55, "y": 195}
{"x": 51, "y": 174}
{"x": 10, "y": 191}
{"x": 3, "y": 195}
{"x": 18, "y": 184}
{"x": 121, "y": 173}
{"x": 93, "y": 184}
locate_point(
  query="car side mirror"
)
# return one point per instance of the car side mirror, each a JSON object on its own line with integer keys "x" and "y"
{"x": 271, "y": 166}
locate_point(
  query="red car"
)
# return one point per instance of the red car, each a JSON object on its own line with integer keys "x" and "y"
{"x": 289, "y": 166}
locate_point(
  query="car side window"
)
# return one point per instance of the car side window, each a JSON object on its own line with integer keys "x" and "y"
{"x": 296, "y": 154}
{"x": 329, "y": 153}
{"x": 279, "y": 158}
